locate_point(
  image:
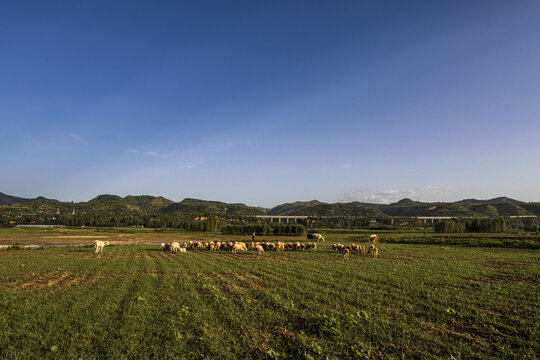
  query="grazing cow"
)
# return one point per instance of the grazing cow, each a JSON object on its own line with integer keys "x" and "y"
{"x": 315, "y": 236}
{"x": 98, "y": 244}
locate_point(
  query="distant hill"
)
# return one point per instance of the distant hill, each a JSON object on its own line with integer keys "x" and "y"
{"x": 155, "y": 205}
{"x": 317, "y": 208}
{"x": 104, "y": 199}
{"x": 204, "y": 207}
{"x": 496, "y": 207}
{"x": 409, "y": 207}
{"x": 129, "y": 203}
{"x": 293, "y": 208}
{"x": 9, "y": 199}
{"x": 143, "y": 201}
{"x": 498, "y": 200}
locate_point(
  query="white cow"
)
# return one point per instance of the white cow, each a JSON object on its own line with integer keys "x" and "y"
{"x": 315, "y": 236}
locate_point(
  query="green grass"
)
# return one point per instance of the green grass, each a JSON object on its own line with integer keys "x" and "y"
{"x": 502, "y": 240}
{"x": 414, "y": 301}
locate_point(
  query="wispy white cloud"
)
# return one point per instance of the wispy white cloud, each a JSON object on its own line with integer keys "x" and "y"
{"x": 338, "y": 166}
{"x": 77, "y": 138}
{"x": 428, "y": 193}
{"x": 384, "y": 197}
{"x": 187, "y": 159}
{"x": 149, "y": 153}
{"x": 194, "y": 161}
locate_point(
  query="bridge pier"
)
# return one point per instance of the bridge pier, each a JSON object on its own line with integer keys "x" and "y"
{"x": 285, "y": 218}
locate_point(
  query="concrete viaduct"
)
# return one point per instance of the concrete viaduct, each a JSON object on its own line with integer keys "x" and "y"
{"x": 279, "y": 218}
{"x": 434, "y": 218}
{"x": 425, "y": 219}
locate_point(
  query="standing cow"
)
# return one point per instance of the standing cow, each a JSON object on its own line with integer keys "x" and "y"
{"x": 315, "y": 236}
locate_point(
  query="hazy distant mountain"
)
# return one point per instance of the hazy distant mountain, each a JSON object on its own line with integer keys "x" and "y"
{"x": 8, "y": 199}
{"x": 146, "y": 204}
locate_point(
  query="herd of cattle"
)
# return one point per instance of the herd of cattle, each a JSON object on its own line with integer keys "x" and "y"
{"x": 260, "y": 247}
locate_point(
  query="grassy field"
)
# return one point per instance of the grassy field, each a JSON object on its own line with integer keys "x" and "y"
{"x": 78, "y": 236}
{"x": 414, "y": 301}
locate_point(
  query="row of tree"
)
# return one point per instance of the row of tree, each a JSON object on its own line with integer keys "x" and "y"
{"x": 476, "y": 225}
{"x": 10, "y": 217}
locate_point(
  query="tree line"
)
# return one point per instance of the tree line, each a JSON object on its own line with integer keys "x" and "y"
{"x": 475, "y": 225}
{"x": 36, "y": 214}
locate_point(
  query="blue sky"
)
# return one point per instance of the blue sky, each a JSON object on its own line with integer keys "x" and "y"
{"x": 270, "y": 102}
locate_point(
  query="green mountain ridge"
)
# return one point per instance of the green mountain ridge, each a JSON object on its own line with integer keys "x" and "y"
{"x": 147, "y": 204}
{"x": 205, "y": 207}
{"x": 498, "y": 200}
{"x": 9, "y": 199}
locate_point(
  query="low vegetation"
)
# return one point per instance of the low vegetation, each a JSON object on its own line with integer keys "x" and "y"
{"x": 413, "y": 301}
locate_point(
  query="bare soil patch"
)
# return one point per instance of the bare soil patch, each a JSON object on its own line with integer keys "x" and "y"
{"x": 508, "y": 278}
{"x": 510, "y": 264}
{"x": 50, "y": 279}
{"x": 78, "y": 236}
